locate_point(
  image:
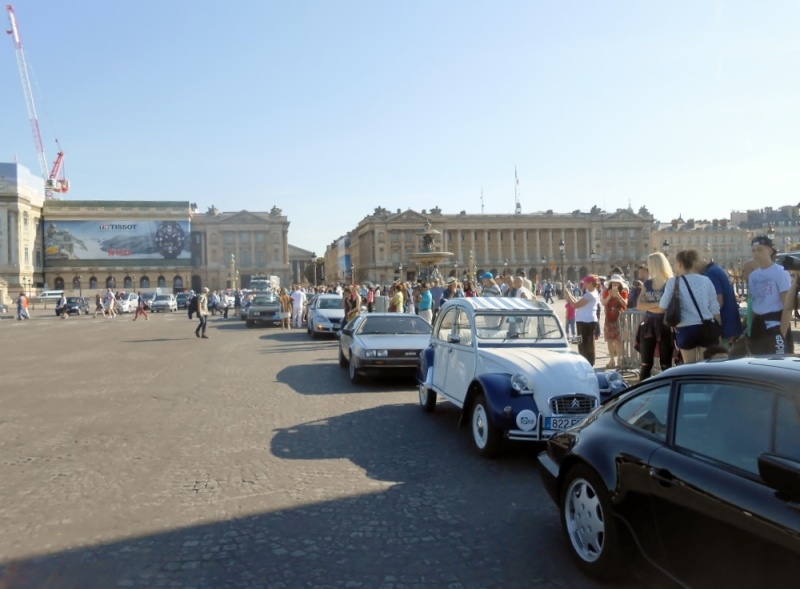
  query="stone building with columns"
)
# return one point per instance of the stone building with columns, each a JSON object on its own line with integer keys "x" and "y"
{"x": 21, "y": 250}
{"x": 382, "y": 243}
{"x": 718, "y": 240}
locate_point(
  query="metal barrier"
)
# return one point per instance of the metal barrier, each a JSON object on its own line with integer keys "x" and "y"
{"x": 629, "y": 322}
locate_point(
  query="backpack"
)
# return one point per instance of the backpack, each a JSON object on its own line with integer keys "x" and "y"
{"x": 192, "y": 306}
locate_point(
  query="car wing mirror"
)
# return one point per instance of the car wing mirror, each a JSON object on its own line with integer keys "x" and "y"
{"x": 453, "y": 339}
{"x": 347, "y": 331}
{"x": 781, "y": 474}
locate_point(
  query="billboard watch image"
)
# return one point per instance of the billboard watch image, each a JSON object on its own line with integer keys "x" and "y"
{"x": 115, "y": 240}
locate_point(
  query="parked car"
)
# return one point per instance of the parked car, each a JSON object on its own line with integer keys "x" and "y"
{"x": 182, "y": 299}
{"x": 506, "y": 363}
{"x": 380, "y": 343}
{"x": 77, "y": 306}
{"x": 324, "y": 314}
{"x": 3, "y": 308}
{"x": 164, "y": 302}
{"x": 264, "y": 308}
{"x": 697, "y": 469}
{"x": 127, "y": 302}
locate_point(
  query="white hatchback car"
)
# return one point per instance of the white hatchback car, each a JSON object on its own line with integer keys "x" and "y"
{"x": 128, "y": 303}
{"x": 506, "y": 363}
{"x": 165, "y": 302}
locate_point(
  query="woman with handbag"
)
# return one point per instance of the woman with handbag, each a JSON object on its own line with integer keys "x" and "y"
{"x": 699, "y": 308}
{"x": 653, "y": 334}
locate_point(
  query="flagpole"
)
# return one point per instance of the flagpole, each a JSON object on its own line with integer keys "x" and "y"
{"x": 517, "y": 205}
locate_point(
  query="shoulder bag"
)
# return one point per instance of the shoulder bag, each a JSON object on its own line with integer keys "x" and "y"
{"x": 711, "y": 329}
{"x": 672, "y": 316}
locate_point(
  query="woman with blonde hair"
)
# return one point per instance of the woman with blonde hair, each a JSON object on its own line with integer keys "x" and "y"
{"x": 653, "y": 334}
{"x": 698, "y": 303}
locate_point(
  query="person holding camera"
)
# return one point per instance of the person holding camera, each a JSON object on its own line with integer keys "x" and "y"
{"x": 615, "y": 301}
{"x": 772, "y": 290}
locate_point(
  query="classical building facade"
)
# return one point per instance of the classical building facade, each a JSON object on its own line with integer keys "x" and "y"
{"x": 717, "y": 240}
{"x": 21, "y": 245}
{"x": 381, "y": 245}
{"x": 84, "y": 246}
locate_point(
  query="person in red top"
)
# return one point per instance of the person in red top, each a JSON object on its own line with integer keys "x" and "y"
{"x": 615, "y": 301}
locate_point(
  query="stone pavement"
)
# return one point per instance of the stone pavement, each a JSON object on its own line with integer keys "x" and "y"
{"x": 136, "y": 455}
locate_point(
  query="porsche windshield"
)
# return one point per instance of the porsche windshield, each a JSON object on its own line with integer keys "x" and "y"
{"x": 499, "y": 327}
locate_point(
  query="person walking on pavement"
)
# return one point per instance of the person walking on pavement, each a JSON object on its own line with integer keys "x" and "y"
{"x": 22, "y": 307}
{"x": 425, "y": 303}
{"x": 140, "y": 309}
{"x": 298, "y": 304}
{"x": 61, "y": 307}
{"x": 286, "y": 309}
{"x": 202, "y": 313}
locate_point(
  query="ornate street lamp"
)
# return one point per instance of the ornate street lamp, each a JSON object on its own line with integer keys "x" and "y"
{"x": 353, "y": 273}
{"x": 771, "y": 233}
{"x": 505, "y": 268}
{"x": 400, "y": 271}
{"x": 593, "y": 256}
{"x": 455, "y": 267}
{"x": 562, "y": 249}
{"x": 314, "y": 267}
{"x": 80, "y": 286}
{"x": 665, "y": 247}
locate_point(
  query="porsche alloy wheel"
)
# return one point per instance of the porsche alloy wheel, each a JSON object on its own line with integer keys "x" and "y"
{"x": 588, "y": 521}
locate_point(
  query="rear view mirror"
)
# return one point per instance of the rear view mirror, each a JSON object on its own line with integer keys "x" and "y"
{"x": 781, "y": 474}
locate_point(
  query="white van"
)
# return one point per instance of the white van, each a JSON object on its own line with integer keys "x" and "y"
{"x": 50, "y": 295}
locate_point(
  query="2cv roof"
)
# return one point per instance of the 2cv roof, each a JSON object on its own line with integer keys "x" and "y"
{"x": 502, "y": 304}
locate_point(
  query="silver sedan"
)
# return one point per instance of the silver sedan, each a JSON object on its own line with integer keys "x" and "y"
{"x": 380, "y": 343}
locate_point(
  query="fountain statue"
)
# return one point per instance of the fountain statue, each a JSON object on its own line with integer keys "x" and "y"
{"x": 429, "y": 257}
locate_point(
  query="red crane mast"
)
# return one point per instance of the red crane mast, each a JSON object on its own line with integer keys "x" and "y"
{"x": 54, "y": 179}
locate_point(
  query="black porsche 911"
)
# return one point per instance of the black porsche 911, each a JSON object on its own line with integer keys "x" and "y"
{"x": 696, "y": 471}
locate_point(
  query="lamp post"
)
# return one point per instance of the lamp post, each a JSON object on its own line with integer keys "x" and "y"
{"x": 455, "y": 267}
{"x": 353, "y": 273}
{"x": 771, "y": 233}
{"x": 593, "y": 256}
{"x": 80, "y": 286}
{"x": 665, "y": 247}
{"x": 186, "y": 282}
{"x": 133, "y": 281}
{"x": 471, "y": 266}
{"x": 505, "y": 268}
{"x": 562, "y": 248}
{"x": 314, "y": 268}
{"x": 787, "y": 243}
{"x": 708, "y": 251}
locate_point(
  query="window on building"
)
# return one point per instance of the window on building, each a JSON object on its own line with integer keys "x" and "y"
{"x": 27, "y": 255}
{"x": 111, "y": 282}
{"x": 381, "y": 237}
{"x": 261, "y": 237}
{"x": 93, "y": 282}
{"x": 162, "y": 282}
{"x": 632, "y": 233}
{"x": 127, "y": 283}
{"x": 229, "y": 239}
{"x": 144, "y": 282}
{"x": 59, "y": 283}
{"x": 395, "y": 236}
{"x": 25, "y": 220}
{"x": 244, "y": 237}
{"x": 609, "y": 233}
{"x": 76, "y": 283}
{"x": 620, "y": 233}
{"x": 244, "y": 258}
{"x": 261, "y": 259}
{"x": 38, "y": 257}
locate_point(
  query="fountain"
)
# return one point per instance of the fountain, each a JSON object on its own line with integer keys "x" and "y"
{"x": 429, "y": 258}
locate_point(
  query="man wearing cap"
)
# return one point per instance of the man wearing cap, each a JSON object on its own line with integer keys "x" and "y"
{"x": 202, "y": 313}
{"x": 490, "y": 288}
{"x": 772, "y": 290}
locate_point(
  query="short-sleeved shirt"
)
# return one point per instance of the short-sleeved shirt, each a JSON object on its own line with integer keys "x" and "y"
{"x": 765, "y": 287}
{"x": 704, "y": 294}
{"x": 588, "y": 313}
{"x": 729, "y": 311}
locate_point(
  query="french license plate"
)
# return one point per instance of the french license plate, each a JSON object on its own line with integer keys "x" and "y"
{"x": 561, "y": 422}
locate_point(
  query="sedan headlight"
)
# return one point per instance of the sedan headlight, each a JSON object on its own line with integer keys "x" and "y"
{"x": 376, "y": 353}
{"x": 321, "y": 319}
{"x": 519, "y": 382}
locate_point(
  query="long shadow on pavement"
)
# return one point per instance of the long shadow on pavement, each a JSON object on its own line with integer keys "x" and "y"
{"x": 439, "y": 517}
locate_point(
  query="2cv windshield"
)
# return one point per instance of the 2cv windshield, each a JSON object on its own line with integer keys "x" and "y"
{"x": 518, "y": 328}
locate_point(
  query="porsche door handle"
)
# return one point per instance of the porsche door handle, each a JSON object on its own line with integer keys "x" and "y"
{"x": 663, "y": 476}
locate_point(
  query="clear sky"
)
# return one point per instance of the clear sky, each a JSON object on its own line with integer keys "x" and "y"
{"x": 328, "y": 108}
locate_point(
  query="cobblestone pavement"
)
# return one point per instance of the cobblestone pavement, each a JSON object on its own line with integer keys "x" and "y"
{"x": 141, "y": 456}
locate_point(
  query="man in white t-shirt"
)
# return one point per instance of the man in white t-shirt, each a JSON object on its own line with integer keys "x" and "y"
{"x": 298, "y": 304}
{"x": 772, "y": 290}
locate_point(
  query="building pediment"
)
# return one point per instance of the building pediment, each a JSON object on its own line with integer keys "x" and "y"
{"x": 243, "y": 218}
{"x": 408, "y": 216}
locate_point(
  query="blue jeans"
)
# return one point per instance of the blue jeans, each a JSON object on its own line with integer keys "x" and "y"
{"x": 571, "y": 328}
{"x": 202, "y": 325}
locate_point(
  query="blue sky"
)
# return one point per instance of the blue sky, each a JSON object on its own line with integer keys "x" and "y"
{"x": 327, "y": 109}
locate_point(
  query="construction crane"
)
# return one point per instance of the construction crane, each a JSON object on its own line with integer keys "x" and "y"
{"x": 54, "y": 179}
